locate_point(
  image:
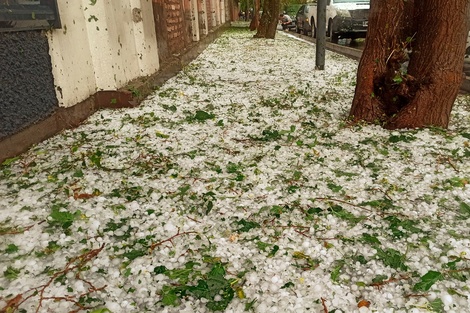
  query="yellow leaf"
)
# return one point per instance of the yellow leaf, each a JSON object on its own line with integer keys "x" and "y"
{"x": 241, "y": 293}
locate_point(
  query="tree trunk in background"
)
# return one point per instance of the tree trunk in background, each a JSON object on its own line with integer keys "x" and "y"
{"x": 411, "y": 71}
{"x": 255, "y": 18}
{"x": 269, "y": 19}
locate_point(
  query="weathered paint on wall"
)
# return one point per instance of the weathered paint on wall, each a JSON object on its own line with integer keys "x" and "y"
{"x": 69, "y": 48}
{"x": 101, "y": 47}
{"x": 203, "y": 25}
{"x": 144, "y": 33}
{"x": 213, "y": 11}
{"x": 195, "y": 20}
{"x": 26, "y": 82}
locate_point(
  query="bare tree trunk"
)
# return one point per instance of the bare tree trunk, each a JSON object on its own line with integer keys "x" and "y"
{"x": 254, "y": 24}
{"x": 269, "y": 19}
{"x": 436, "y": 63}
{"x": 409, "y": 74}
{"x": 380, "y": 42}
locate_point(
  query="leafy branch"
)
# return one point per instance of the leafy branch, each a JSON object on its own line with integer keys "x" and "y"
{"x": 75, "y": 264}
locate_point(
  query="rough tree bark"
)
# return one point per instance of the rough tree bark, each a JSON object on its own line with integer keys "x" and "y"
{"x": 269, "y": 19}
{"x": 411, "y": 68}
{"x": 255, "y": 18}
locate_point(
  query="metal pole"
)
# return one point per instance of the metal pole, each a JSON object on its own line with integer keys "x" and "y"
{"x": 321, "y": 35}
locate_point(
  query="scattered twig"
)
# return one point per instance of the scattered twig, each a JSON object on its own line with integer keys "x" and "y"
{"x": 323, "y": 302}
{"x": 230, "y": 151}
{"x": 25, "y": 165}
{"x": 195, "y": 179}
{"x": 379, "y": 285}
{"x": 193, "y": 219}
{"x": 306, "y": 228}
{"x": 18, "y": 230}
{"x": 302, "y": 233}
{"x": 362, "y": 208}
{"x": 328, "y": 238}
{"x": 156, "y": 244}
{"x": 242, "y": 139}
{"x": 411, "y": 295}
{"x": 301, "y": 230}
{"x": 451, "y": 164}
{"x": 76, "y": 263}
{"x": 384, "y": 192}
{"x": 393, "y": 51}
{"x": 73, "y": 300}
{"x": 405, "y": 44}
{"x": 465, "y": 269}
{"x": 349, "y": 203}
{"x": 234, "y": 191}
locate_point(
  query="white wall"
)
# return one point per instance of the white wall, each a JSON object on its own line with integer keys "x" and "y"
{"x": 101, "y": 47}
{"x": 214, "y": 12}
{"x": 222, "y": 11}
{"x": 69, "y": 48}
{"x": 195, "y": 20}
{"x": 205, "y": 31}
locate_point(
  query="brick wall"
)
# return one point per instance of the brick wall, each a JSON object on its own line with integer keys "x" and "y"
{"x": 173, "y": 22}
{"x": 159, "y": 15}
{"x": 175, "y": 25}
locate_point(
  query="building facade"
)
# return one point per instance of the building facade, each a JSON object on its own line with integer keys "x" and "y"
{"x": 74, "y": 56}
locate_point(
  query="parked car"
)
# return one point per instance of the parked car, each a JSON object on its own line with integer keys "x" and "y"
{"x": 303, "y": 18}
{"x": 347, "y": 19}
{"x": 344, "y": 19}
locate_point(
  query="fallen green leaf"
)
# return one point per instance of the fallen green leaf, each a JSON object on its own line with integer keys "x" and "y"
{"x": 427, "y": 280}
{"x": 247, "y": 225}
